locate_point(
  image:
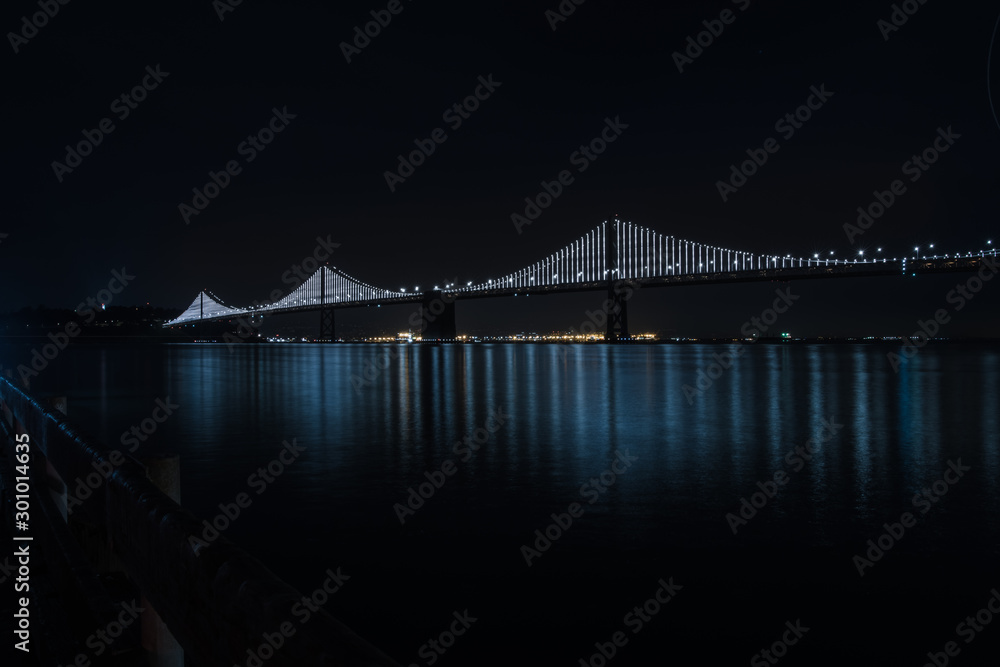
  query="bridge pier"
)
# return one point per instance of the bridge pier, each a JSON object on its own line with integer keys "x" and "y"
{"x": 327, "y": 325}
{"x": 327, "y": 321}
{"x": 617, "y": 300}
{"x": 437, "y": 317}
{"x": 617, "y": 312}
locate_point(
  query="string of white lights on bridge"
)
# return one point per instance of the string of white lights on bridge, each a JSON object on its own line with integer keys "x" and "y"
{"x": 638, "y": 252}
{"x": 641, "y": 253}
{"x": 339, "y": 288}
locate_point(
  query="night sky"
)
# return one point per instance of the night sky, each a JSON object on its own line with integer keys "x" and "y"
{"x": 324, "y": 174}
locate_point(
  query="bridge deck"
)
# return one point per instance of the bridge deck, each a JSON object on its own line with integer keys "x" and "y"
{"x": 829, "y": 270}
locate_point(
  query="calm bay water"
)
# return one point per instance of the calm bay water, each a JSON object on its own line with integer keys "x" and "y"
{"x": 568, "y": 413}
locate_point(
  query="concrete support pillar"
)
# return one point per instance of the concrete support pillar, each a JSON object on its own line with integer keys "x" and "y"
{"x": 438, "y": 317}
{"x": 327, "y": 325}
{"x": 618, "y": 313}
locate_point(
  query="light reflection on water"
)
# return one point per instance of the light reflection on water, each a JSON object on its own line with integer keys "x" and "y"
{"x": 570, "y": 408}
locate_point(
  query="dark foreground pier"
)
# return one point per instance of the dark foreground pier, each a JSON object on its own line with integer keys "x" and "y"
{"x": 116, "y": 580}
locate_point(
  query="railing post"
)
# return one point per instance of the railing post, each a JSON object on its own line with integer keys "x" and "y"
{"x": 57, "y": 487}
{"x": 216, "y": 601}
{"x": 162, "y": 649}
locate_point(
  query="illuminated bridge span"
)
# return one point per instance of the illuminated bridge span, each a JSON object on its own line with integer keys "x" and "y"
{"x": 609, "y": 257}
{"x": 325, "y": 288}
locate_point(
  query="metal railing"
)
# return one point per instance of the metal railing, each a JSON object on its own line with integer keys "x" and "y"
{"x": 218, "y": 603}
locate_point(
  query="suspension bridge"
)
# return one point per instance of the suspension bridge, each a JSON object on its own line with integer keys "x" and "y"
{"x": 614, "y": 257}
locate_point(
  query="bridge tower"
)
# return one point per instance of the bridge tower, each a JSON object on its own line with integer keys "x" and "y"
{"x": 437, "y": 317}
{"x": 327, "y": 321}
{"x": 617, "y": 302}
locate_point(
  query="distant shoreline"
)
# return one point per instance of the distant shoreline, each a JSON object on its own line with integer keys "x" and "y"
{"x": 160, "y": 340}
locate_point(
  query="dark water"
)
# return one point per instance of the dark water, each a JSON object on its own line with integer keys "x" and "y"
{"x": 568, "y": 413}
